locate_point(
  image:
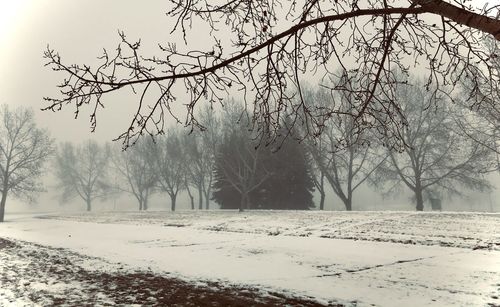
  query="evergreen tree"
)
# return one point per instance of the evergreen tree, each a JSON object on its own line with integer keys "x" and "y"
{"x": 238, "y": 168}
{"x": 285, "y": 174}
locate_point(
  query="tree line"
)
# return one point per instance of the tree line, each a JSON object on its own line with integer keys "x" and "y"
{"x": 230, "y": 164}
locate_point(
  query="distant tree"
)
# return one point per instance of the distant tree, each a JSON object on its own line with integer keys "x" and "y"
{"x": 237, "y": 171}
{"x": 195, "y": 164}
{"x": 135, "y": 169}
{"x": 238, "y": 168}
{"x": 290, "y": 183}
{"x": 82, "y": 171}
{"x": 343, "y": 154}
{"x": 316, "y": 98}
{"x": 169, "y": 164}
{"x": 437, "y": 156}
{"x": 249, "y": 176}
{"x": 210, "y": 140}
{"x": 318, "y": 177}
{"x": 199, "y": 149}
{"x": 188, "y": 190}
{"x": 24, "y": 149}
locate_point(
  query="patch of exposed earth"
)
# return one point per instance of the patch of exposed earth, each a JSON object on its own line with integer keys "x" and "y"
{"x": 35, "y": 275}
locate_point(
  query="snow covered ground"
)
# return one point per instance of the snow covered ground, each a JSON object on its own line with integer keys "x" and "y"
{"x": 359, "y": 258}
{"x": 468, "y": 230}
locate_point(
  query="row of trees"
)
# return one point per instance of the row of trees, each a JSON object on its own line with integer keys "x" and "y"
{"x": 224, "y": 158}
{"x": 273, "y": 45}
{"x": 447, "y": 148}
{"x": 90, "y": 171}
{"x": 248, "y": 172}
{"x": 439, "y": 157}
{"x": 170, "y": 163}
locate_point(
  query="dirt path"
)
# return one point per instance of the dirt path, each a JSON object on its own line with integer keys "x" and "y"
{"x": 31, "y": 274}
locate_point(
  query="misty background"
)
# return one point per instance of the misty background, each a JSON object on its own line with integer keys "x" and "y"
{"x": 79, "y": 31}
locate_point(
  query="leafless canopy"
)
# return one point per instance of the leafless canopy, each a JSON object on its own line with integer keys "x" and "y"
{"x": 24, "y": 151}
{"x": 268, "y": 48}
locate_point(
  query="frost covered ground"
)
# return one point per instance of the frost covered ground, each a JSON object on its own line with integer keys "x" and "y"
{"x": 266, "y": 257}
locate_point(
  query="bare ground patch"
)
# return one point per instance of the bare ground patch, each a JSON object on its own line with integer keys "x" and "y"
{"x": 35, "y": 274}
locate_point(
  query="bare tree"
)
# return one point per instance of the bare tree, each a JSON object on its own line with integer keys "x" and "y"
{"x": 342, "y": 153}
{"x": 24, "y": 149}
{"x": 82, "y": 171}
{"x": 238, "y": 156}
{"x": 238, "y": 164}
{"x": 211, "y": 139}
{"x": 438, "y": 157}
{"x": 199, "y": 156}
{"x": 318, "y": 177}
{"x": 188, "y": 190}
{"x": 195, "y": 164}
{"x": 268, "y": 47}
{"x": 170, "y": 165}
{"x": 136, "y": 169}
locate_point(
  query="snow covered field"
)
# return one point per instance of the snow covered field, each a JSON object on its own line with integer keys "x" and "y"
{"x": 359, "y": 258}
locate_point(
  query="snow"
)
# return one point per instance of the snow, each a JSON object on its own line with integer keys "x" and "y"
{"x": 447, "y": 259}
{"x": 468, "y": 230}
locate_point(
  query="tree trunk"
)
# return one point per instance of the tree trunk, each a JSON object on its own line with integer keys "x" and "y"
{"x": 207, "y": 200}
{"x": 244, "y": 202}
{"x": 420, "y": 199}
{"x": 2, "y": 205}
{"x": 191, "y": 197}
{"x": 140, "y": 205}
{"x": 248, "y": 202}
{"x": 89, "y": 205}
{"x": 322, "y": 200}
{"x": 145, "y": 203}
{"x": 348, "y": 204}
{"x": 200, "y": 198}
{"x": 207, "y": 188}
{"x": 173, "y": 199}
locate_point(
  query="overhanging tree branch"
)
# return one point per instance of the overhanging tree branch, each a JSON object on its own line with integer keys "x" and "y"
{"x": 266, "y": 66}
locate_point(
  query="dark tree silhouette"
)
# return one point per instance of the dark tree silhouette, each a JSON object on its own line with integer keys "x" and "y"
{"x": 24, "y": 149}
{"x": 238, "y": 168}
{"x": 290, "y": 184}
{"x": 248, "y": 176}
{"x": 285, "y": 176}
{"x": 266, "y": 48}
